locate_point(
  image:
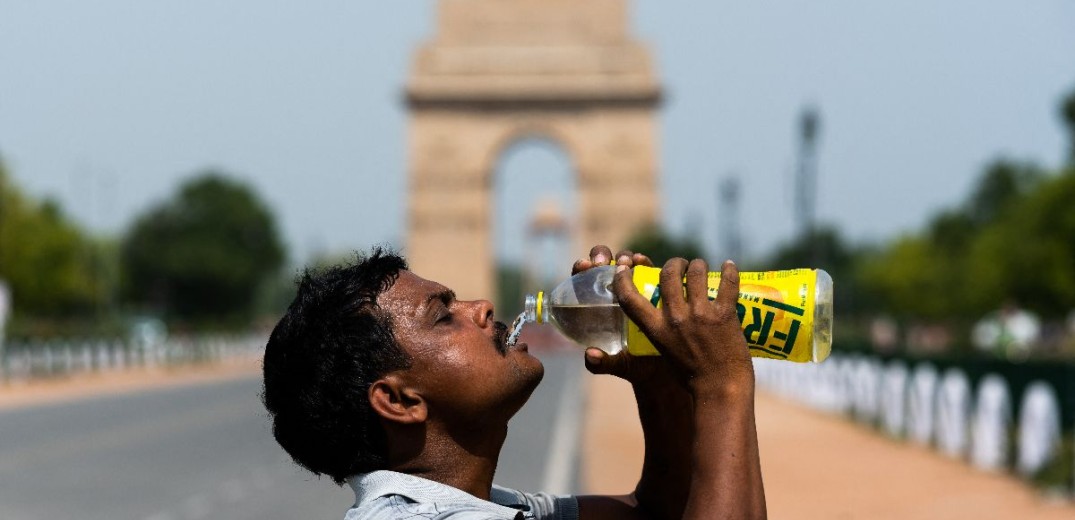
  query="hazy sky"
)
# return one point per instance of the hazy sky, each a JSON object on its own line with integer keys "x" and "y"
{"x": 107, "y": 105}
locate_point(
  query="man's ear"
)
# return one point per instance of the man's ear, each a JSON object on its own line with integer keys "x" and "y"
{"x": 393, "y": 399}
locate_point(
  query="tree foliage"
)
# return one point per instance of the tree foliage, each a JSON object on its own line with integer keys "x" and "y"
{"x": 1067, "y": 113}
{"x": 1003, "y": 184}
{"x": 202, "y": 255}
{"x": 510, "y": 290}
{"x": 1013, "y": 240}
{"x": 824, "y": 248}
{"x": 49, "y": 263}
{"x": 662, "y": 246}
{"x": 1029, "y": 256}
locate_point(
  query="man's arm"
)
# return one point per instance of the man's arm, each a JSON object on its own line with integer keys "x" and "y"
{"x": 665, "y": 410}
{"x": 726, "y": 481}
{"x": 704, "y": 344}
{"x": 701, "y": 442}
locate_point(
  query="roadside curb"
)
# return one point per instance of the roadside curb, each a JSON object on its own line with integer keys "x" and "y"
{"x": 84, "y": 386}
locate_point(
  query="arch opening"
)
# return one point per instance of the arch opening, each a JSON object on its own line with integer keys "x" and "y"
{"x": 535, "y": 208}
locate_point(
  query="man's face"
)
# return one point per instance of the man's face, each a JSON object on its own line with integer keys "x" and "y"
{"x": 460, "y": 362}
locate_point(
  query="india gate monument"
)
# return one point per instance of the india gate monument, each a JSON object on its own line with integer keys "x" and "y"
{"x": 499, "y": 71}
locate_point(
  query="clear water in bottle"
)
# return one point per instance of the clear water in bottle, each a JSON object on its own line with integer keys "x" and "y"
{"x": 599, "y": 326}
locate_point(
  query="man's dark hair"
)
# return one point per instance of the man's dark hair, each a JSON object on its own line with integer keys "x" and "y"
{"x": 331, "y": 345}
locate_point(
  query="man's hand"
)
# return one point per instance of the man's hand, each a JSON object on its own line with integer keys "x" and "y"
{"x": 703, "y": 342}
{"x": 701, "y": 339}
{"x": 644, "y": 370}
{"x": 665, "y": 410}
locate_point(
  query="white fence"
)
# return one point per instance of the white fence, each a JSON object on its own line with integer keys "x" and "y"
{"x": 918, "y": 403}
{"x": 23, "y": 361}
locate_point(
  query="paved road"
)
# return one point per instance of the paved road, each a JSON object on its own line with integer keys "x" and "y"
{"x": 206, "y": 452}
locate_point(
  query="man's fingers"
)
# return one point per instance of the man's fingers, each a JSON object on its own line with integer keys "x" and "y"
{"x": 698, "y": 282}
{"x": 641, "y": 259}
{"x": 595, "y": 359}
{"x": 637, "y": 308}
{"x": 600, "y": 255}
{"x": 728, "y": 293}
{"x": 631, "y": 259}
{"x": 600, "y": 362}
{"x": 580, "y": 266}
{"x": 672, "y": 286}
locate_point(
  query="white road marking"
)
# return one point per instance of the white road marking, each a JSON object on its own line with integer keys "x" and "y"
{"x": 563, "y": 446}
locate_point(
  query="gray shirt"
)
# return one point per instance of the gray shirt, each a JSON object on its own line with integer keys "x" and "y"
{"x": 390, "y": 495}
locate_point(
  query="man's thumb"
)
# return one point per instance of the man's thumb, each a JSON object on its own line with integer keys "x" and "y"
{"x": 600, "y": 362}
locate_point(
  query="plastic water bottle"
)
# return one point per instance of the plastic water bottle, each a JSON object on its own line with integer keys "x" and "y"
{"x": 784, "y": 314}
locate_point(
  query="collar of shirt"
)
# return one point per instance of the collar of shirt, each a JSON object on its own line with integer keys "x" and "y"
{"x": 376, "y": 484}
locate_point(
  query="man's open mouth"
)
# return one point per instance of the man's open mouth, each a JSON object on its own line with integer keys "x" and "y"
{"x": 500, "y": 337}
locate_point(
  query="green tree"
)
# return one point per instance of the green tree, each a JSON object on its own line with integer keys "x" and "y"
{"x": 1067, "y": 113}
{"x": 1011, "y": 240}
{"x": 928, "y": 276}
{"x": 1029, "y": 255}
{"x": 911, "y": 278}
{"x": 1003, "y": 183}
{"x": 510, "y": 291}
{"x": 826, "y": 249}
{"x": 661, "y": 246}
{"x": 203, "y": 255}
{"x": 46, "y": 259}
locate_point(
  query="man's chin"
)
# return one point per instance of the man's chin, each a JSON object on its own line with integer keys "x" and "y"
{"x": 531, "y": 372}
{"x": 527, "y": 374}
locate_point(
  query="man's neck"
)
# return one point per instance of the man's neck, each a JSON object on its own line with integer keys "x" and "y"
{"x": 467, "y": 464}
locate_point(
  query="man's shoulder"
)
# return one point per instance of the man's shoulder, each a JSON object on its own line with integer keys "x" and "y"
{"x": 387, "y": 494}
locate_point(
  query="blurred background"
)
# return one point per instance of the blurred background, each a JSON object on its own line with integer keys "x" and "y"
{"x": 166, "y": 169}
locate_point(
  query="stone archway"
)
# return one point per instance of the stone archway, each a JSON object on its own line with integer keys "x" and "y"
{"x": 499, "y": 71}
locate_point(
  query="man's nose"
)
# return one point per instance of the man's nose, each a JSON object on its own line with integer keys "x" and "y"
{"x": 482, "y": 312}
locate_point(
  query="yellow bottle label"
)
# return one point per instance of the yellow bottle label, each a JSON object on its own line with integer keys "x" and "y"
{"x": 775, "y": 308}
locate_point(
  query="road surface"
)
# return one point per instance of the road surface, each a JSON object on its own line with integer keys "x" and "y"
{"x": 206, "y": 451}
